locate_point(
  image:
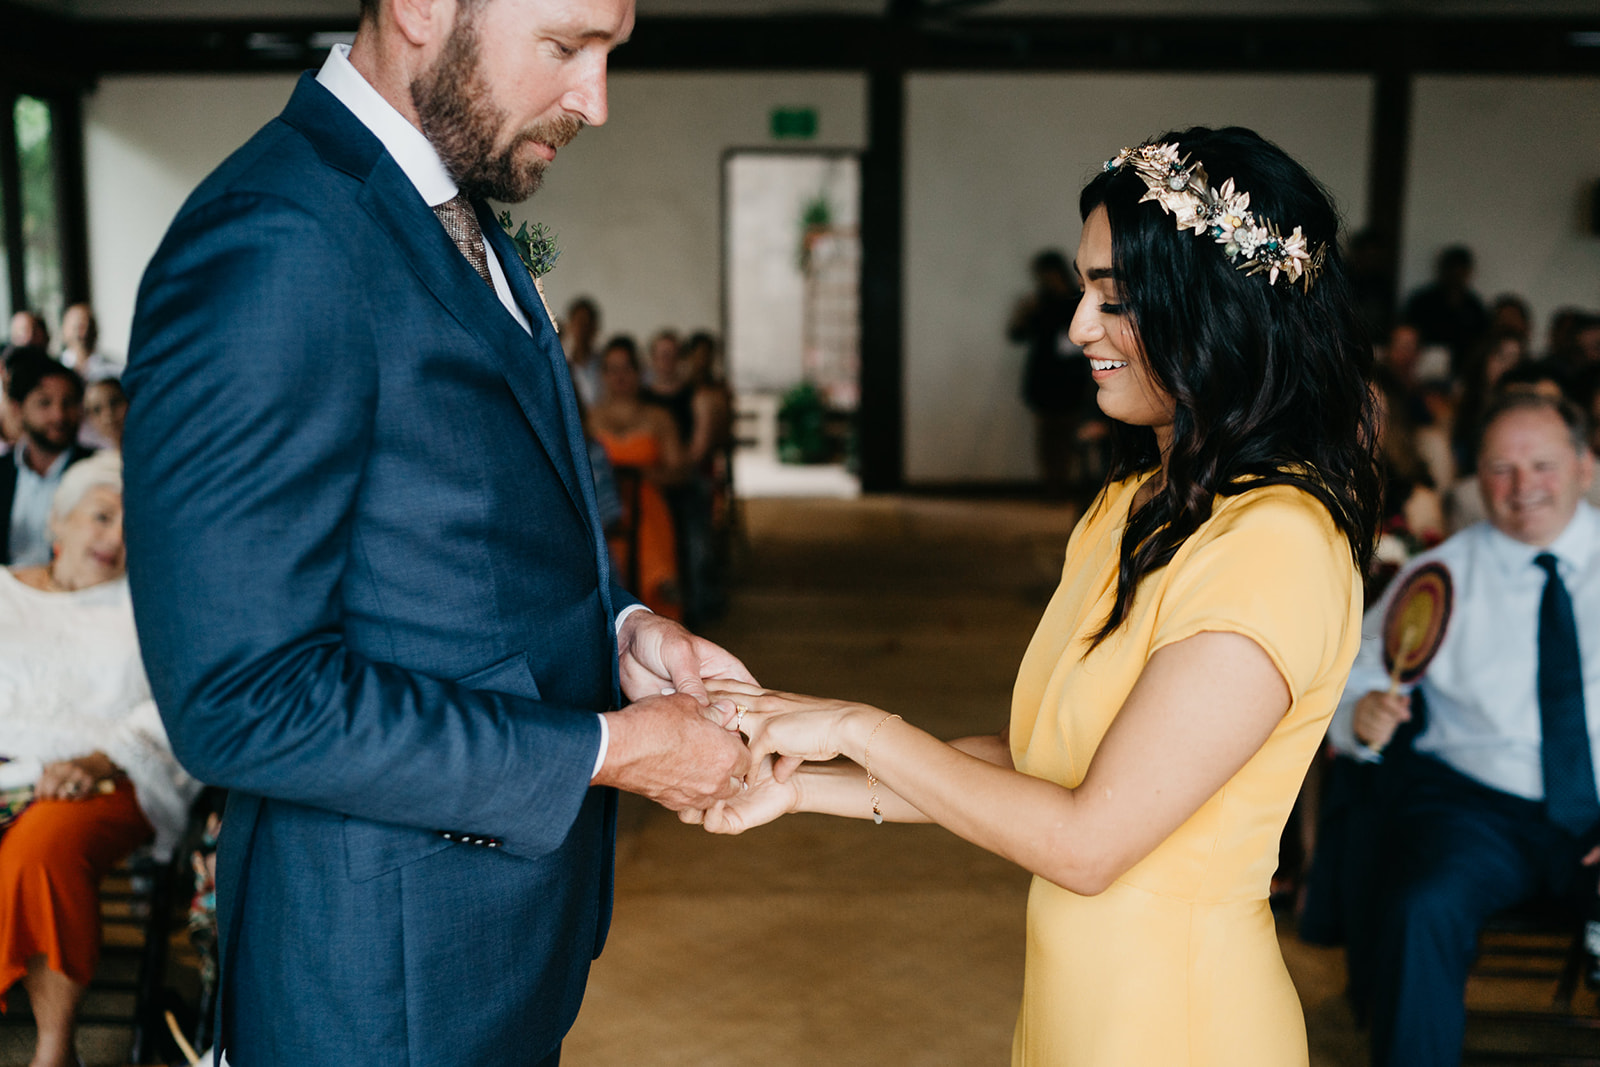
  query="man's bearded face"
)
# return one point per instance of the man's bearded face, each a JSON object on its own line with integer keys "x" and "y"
{"x": 461, "y": 119}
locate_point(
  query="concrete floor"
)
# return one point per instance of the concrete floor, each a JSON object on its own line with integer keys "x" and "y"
{"x": 825, "y": 941}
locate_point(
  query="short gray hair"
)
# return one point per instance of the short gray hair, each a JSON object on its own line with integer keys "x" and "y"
{"x": 102, "y": 468}
{"x": 1570, "y": 414}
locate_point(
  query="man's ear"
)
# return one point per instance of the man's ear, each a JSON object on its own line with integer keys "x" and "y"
{"x": 422, "y": 22}
{"x": 1585, "y": 470}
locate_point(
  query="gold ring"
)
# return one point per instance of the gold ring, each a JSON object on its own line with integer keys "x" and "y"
{"x": 739, "y": 711}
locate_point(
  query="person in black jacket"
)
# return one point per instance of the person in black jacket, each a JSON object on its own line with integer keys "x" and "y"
{"x": 48, "y": 401}
{"x": 1055, "y": 381}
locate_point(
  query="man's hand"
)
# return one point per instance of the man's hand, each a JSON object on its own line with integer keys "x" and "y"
{"x": 656, "y": 653}
{"x": 1379, "y": 715}
{"x": 668, "y": 749}
{"x": 1593, "y": 860}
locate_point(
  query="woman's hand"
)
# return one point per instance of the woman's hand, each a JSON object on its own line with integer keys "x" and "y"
{"x": 797, "y": 729}
{"x": 765, "y": 800}
{"x": 74, "y": 779}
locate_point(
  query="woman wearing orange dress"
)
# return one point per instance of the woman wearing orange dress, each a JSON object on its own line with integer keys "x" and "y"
{"x": 76, "y": 715}
{"x": 642, "y": 442}
{"x": 1185, "y": 671}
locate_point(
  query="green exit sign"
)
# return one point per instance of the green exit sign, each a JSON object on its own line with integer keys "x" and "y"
{"x": 794, "y": 123}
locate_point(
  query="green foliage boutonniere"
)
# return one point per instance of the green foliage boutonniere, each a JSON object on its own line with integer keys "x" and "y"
{"x": 537, "y": 249}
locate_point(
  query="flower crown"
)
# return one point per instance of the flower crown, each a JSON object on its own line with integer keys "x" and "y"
{"x": 1252, "y": 243}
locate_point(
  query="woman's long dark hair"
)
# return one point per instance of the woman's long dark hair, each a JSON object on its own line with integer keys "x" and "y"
{"x": 1269, "y": 382}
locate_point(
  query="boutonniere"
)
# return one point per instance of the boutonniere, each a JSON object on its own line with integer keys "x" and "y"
{"x": 537, "y": 249}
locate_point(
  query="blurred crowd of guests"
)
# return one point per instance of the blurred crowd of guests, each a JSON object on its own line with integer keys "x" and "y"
{"x": 1469, "y": 790}
{"x": 660, "y": 426}
{"x": 87, "y": 772}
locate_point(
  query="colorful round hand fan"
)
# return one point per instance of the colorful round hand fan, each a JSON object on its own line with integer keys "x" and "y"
{"x": 1415, "y": 624}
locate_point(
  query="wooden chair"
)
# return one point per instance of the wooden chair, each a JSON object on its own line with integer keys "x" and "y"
{"x": 1532, "y": 945}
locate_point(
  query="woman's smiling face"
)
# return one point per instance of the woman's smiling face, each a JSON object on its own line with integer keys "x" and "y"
{"x": 1128, "y": 391}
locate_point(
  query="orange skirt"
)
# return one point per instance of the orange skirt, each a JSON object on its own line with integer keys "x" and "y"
{"x": 52, "y": 859}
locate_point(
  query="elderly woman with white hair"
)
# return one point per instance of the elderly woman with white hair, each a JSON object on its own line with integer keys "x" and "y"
{"x": 76, "y": 719}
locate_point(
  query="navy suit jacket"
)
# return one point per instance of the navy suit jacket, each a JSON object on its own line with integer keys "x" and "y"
{"x": 375, "y": 604}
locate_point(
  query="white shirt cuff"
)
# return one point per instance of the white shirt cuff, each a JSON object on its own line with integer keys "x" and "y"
{"x": 625, "y": 612}
{"x": 605, "y": 728}
{"x": 605, "y": 744}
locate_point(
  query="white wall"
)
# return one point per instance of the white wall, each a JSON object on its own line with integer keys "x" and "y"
{"x": 1504, "y": 165}
{"x": 637, "y": 204}
{"x": 994, "y": 166}
{"x": 148, "y": 141}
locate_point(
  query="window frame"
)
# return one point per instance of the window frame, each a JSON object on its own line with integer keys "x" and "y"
{"x": 66, "y": 158}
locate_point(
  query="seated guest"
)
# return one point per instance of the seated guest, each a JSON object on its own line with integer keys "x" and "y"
{"x": 1501, "y": 351}
{"x": 1413, "y": 517}
{"x": 48, "y": 400}
{"x": 10, "y": 422}
{"x": 578, "y": 333}
{"x": 668, "y": 386}
{"x": 642, "y": 437}
{"x": 73, "y": 697}
{"x": 695, "y": 503}
{"x": 29, "y": 331}
{"x": 1464, "y": 500}
{"x": 105, "y": 408}
{"x": 80, "y": 345}
{"x": 1448, "y": 312}
{"x": 1494, "y": 799}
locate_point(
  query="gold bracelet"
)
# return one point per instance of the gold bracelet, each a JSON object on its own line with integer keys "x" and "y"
{"x": 872, "y": 783}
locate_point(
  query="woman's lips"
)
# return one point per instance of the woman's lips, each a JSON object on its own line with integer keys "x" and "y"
{"x": 1101, "y": 369}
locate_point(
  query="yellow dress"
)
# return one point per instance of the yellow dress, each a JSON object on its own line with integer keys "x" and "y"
{"x": 1177, "y": 963}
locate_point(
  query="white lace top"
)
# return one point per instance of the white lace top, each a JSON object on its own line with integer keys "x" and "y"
{"x": 71, "y": 683}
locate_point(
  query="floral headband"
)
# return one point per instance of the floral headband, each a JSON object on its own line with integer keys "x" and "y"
{"x": 1252, "y": 243}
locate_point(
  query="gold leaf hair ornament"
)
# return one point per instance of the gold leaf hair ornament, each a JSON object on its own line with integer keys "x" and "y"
{"x": 1252, "y": 243}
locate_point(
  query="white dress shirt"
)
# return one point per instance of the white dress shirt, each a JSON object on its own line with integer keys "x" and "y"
{"x": 1480, "y": 690}
{"x": 415, "y": 154}
{"x": 30, "y": 508}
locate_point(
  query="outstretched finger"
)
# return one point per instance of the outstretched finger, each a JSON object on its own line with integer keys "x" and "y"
{"x": 733, "y": 687}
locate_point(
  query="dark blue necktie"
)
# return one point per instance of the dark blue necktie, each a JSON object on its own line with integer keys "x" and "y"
{"x": 1569, "y": 788}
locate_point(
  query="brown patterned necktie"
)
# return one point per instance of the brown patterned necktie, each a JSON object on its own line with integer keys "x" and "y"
{"x": 461, "y": 223}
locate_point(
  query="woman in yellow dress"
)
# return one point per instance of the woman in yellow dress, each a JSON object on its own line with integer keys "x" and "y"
{"x": 1184, "y": 673}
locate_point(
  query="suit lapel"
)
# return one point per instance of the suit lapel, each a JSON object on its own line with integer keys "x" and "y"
{"x": 544, "y": 339}
{"x": 534, "y": 368}
{"x": 393, "y": 202}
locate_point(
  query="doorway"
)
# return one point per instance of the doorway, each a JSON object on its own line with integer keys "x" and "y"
{"x": 791, "y": 300}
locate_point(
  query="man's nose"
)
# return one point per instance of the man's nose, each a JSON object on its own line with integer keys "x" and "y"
{"x": 588, "y": 98}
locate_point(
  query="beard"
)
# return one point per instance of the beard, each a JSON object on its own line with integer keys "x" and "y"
{"x": 460, "y": 119}
{"x": 50, "y": 439}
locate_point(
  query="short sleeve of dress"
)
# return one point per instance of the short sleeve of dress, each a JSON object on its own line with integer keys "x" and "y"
{"x": 1272, "y": 566}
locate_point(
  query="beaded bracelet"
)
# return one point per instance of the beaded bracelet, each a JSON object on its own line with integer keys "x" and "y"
{"x": 872, "y": 783}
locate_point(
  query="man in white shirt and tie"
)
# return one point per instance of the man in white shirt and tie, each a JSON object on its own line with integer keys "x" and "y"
{"x": 1495, "y": 799}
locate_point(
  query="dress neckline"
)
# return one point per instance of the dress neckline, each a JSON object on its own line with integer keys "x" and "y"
{"x": 106, "y": 590}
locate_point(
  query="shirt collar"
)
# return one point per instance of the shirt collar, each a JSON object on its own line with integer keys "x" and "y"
{"x": 408, "y": 145}
{"x": 19, "y": 453}
{"x": 1573, "y": 548}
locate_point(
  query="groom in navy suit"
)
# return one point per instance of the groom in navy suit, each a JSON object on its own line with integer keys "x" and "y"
{"x": 373, "y": 596}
